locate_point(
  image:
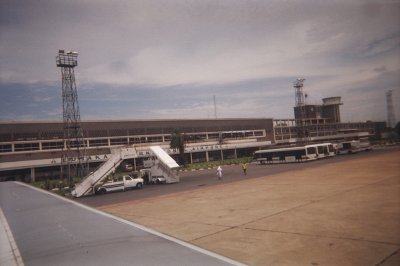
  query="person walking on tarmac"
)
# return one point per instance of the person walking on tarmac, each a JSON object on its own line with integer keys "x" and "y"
{"x": 244, "y": 167}
{"x": 219, "y": 172}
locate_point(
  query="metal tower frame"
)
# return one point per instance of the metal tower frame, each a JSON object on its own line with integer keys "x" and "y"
{"x": 301, "y": 104}
{"x": 391, "y": 119}
{"x": 73, "y": 154}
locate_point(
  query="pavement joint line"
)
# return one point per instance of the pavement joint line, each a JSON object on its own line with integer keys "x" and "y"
{"x": 388, "y": 257}
{"x": 141, "y": 227}
{"x": 118, "y": 204}
{"x": 314, "y": 201}
{"x": 322, "y": 236}
{"x": 230, "y": 182}
{"x": 169, "y": 221}
{"x": 220, "y": 231}
{"x": 299, "y": 206}
{"x": 16, "y": 258}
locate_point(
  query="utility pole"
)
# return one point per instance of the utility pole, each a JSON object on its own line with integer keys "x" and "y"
{"x": 72, "y": 158}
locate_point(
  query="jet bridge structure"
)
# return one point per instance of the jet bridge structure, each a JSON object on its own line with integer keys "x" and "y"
{"x": 164, "y": 166}
{"x": 94, "y": 178}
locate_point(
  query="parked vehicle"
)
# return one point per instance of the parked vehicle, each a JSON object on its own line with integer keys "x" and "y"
{"x": 286, "y": 155}
{"x": 152, "y": 177}
{"x": 120, "y": 184}
{"x": 353, "y": 146}
{"x": 128, "y": 167}
{"x": 93, "y": 183}
{"x": 324, "y": 150}
{"x": 295, "y": 154}
{"x": 161, "y": 168}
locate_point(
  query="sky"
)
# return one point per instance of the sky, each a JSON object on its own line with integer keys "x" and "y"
{"x": 168, "y": 59}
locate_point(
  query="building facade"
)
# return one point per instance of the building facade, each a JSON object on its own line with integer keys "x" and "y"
{"x": 32, "y": 150}
{"x": 329, "y": 110}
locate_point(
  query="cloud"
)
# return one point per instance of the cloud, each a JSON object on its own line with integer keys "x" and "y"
{"x": 164, "y": 58}
{"x": 380, "y": 69}
{"x": 382, "y": 46}
{"x": 38, "y": 99}
{"x": 33, "y": 101}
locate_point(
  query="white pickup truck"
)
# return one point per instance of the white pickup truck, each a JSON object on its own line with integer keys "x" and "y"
{"x": 120, "y": 184}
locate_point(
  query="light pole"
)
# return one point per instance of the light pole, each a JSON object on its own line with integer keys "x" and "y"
{"x": 74, "y": 146}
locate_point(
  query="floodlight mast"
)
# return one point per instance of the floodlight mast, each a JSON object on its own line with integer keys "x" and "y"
{"x": 391, "y": 119}
{"x": 302, "y": 131}
{"x": 298, "y": 85}
{"x": 72, "y": 158}
{"x": 67, "y": 59}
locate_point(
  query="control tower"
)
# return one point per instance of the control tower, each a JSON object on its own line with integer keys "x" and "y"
{"x": 331, "y": 110}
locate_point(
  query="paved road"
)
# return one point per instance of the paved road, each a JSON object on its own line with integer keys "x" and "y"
{"x": 50, "y": 230}
{"x": 197, "y": 179}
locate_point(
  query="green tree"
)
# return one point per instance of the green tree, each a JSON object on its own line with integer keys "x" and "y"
{"x": 178, "y": 142}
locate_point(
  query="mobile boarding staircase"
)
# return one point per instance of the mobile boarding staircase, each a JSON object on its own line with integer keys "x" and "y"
{"x": 165, "y": 165}
{"x": 116, "y": 158}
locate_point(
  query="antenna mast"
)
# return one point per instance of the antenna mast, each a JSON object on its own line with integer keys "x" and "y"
{"x": 215, "y": 108}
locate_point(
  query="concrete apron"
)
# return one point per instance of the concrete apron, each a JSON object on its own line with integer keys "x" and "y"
{"x": 343, "y": 213}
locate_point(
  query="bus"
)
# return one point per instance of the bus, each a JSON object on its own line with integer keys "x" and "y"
{"x": 354, "y": 146}
{"x": 324, "y": 150}
{"x": 286, "y": 155}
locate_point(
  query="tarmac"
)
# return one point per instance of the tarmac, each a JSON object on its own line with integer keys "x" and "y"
{"x": 341, "y": 213}
{"x": 9, "y": 252}
{"x": 40, "y": 228}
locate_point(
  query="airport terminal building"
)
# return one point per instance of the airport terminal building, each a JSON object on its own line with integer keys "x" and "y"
{"x": 32, "y": 150}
